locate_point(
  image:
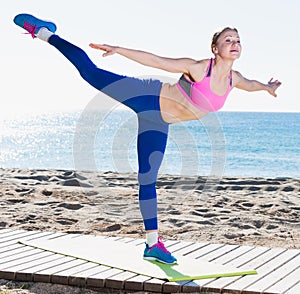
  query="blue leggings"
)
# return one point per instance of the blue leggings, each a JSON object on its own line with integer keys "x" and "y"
{"x": 142, "y": 96}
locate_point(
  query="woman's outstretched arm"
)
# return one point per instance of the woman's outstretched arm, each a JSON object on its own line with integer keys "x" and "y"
{"x": 252, "y": 85}
{"x": 175, "y": 65}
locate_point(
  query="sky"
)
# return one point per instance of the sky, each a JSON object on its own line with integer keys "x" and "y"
{"x": 35, "y": 78}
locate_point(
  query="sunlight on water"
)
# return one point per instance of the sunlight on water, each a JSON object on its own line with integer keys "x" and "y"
{"x": 253, "y": 144}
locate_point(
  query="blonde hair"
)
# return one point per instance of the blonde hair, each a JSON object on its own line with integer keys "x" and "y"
{"x": 217, "y": 35}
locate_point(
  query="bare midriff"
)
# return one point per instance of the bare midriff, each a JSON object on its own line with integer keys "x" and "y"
{"x": 175, "y": 107}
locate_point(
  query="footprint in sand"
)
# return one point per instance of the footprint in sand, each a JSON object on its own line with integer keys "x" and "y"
{"x": 47, "y": 193}
{"x": 75, "y": 183}
{"x": 233, "y": 236}
{"x": 242, "y": 205}
{"x": 272, "y": 227}
{"x": 16, "y": 200}
{"x": 23, "y": 191}
{"x": 258, "y": 223}
{"x": 288, "y": 189}
{"x": 51, "y": 203}
{"x": 114, "y": 227}
{"x": 71, "y": 206}
{"x": 254, "y": 188}
{"x": 66, "y": 221}
{"x": 271, "y": 188}
{"x": 247, "y": 204}
{"x": 269, "y": 205}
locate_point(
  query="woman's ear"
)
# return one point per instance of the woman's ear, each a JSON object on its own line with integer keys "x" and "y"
{"x": 215, "y": 50}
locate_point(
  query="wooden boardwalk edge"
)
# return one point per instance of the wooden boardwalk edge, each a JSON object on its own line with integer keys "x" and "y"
{"x": 278, "y": 268}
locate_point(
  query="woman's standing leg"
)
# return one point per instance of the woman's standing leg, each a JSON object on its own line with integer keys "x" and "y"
{"x": 151, "y": 145}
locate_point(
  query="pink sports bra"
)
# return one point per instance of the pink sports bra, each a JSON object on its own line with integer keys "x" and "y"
{"x": 199, "y": 93}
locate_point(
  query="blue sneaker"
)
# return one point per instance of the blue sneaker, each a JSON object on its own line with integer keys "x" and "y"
{"x": 159, "y": 253}
{"x": 32, "y": 24}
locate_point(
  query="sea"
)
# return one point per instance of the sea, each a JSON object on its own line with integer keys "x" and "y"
{"x": 233, "y": 144}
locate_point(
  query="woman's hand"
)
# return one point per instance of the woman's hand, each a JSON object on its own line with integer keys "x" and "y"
{"x": 272, "y": 87}
{"x": 109, "y": 50}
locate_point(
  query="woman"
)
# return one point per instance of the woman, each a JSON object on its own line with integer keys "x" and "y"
{"x": 203, "y": 88}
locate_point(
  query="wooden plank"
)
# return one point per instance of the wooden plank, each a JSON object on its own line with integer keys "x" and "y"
{"x": 277, "y": 273}
{"x": 192, "y": 286}
{"x": 176, "y": 248}
{"x": 153, "y": 285}
{"x": 62, "y": 277}
{"x": 189, "y": 249}
{"x": 245, "y": 258}
{"x": 118, "y": 281}
{"x": 12, "y": 242}
{"x": 133, "y": 242}
{"x": 12, "y": 233}
{"x": 45, "y": 275}
{"x": 4, "y": 231}
{"x": 27, "y": 274}
{"x": 19, "y": 251}
{"x": 222, "y": 256}
{"x": 14, "y": 251}
{"x": 23, "y": 234}
{"x": 286, "y": 283}
{"x": 11, "y": 246}
{"x": 9, "y": 269}
{"x": 294, "y": 290}
{"x": 266, "y": 263}
{"x": 219, "y": 252}
{"x": 136, "y": 283}
{"x": 98, "y": 280}
{"x": 67, "y": 237}
{"x": 14, "y": 237}
{"x": 18, "y": 256}
{"x": 43, "y": 235}
{"x": 202, "y": 251}
{"x": 20, "y": 234}
{"x": 130, "y": 240}
{"x": 79, "y": 279}
{"x": 23, "y": 260}
{"x": 173, "y": 287}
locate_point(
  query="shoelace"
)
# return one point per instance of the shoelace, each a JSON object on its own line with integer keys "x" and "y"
{"x": 30, "y": 28}
{"x": 161, "y": 246}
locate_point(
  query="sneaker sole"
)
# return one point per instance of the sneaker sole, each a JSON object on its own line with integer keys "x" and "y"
{"x": 159, "y": 260}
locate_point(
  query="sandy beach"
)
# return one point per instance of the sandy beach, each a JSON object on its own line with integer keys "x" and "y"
{"x": 247, "y": 211}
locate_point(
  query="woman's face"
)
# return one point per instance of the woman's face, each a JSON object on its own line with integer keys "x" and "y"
{"x": 228, "y": 45}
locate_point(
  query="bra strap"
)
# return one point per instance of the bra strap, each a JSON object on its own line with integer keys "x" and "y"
{"x": 210, "y": 68}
